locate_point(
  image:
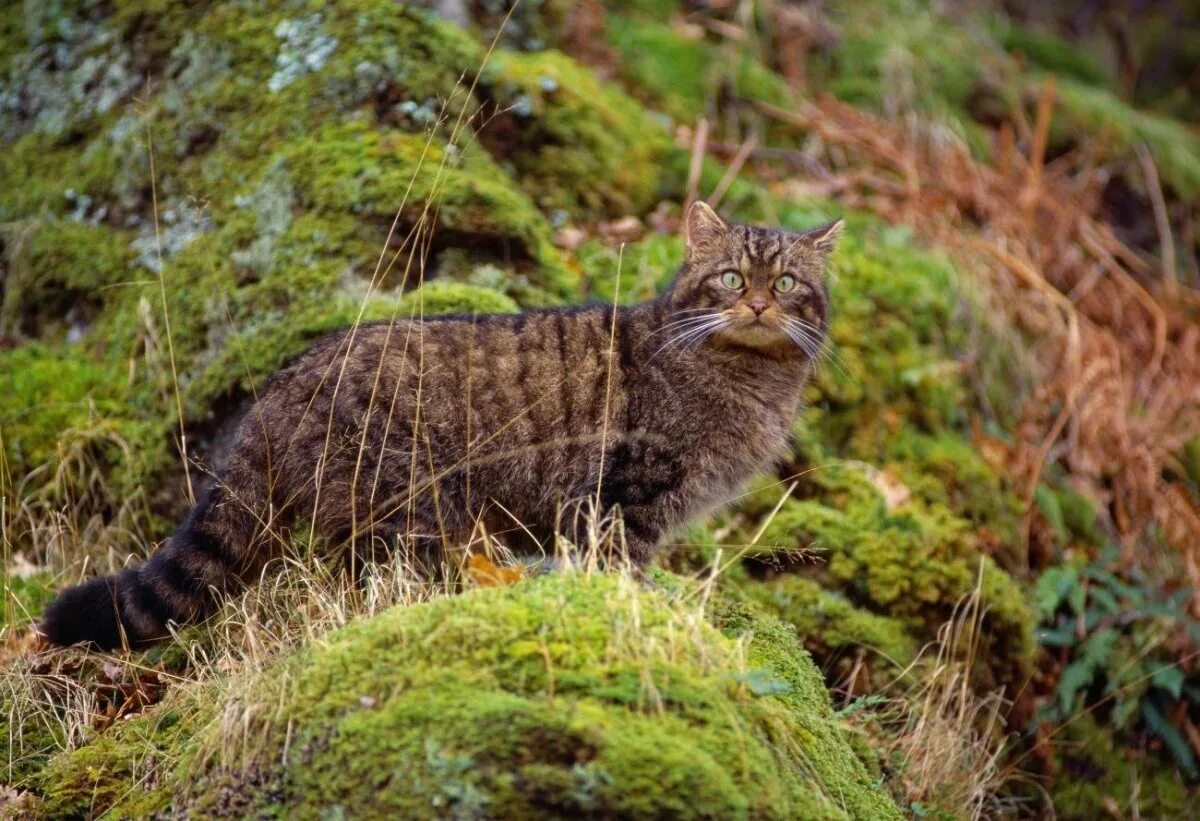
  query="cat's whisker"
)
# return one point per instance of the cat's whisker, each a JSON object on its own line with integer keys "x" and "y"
{"x": 816, "y": 345}
{"x": 684, "y": 323}
{"x": 694, "y": 334}
{"x": 689, "y": 311}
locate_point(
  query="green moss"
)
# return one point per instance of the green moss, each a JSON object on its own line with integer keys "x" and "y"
{"x": 25, "y": 596}
{"x": 1104, "y": 779}
{"x": 906, "y": 55}
{"x": 574, "y": 141}
{"x": 132, "y": 768}
{"x": 558, "y": 696}
{"x": 640, "y": 269}
{"x": 28, "y": 743}
{"x": 914, "y": 562}
{"x": 832, "y": 628}
{"x": 1052, "y": 53}
{"x": 1099, "y": 113}
{"x": 57, "y": 274}
{"x": 440, "y": 297}
{"x": 681, "y": 75}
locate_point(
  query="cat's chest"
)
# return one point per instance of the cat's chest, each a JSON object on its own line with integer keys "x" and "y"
{"x": 742, "y": 424}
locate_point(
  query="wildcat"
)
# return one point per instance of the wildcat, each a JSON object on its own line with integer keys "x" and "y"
{"x": 422, "y": 429}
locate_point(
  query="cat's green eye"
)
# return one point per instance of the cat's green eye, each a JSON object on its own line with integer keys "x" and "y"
{"x": 785, "y": 283}
{"x": 732, "y": 280}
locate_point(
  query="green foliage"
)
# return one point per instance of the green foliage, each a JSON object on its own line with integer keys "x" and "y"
{"x": 1120, "y": 128}
{"x": 912, "y": 563}
{"x": 1119, "y": 637}
{"x": 641, "y": 269}
{"x": 58, "y": 272}
{"x": 1105, "y": 778}
{"x": 831, "y": 626}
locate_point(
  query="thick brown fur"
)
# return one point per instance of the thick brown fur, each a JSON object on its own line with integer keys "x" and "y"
{"x": 415, "y": 432}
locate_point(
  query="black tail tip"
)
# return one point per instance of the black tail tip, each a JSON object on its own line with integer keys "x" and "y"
{"x": 88, "y": 613}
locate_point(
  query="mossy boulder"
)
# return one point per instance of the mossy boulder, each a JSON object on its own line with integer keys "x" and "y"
{"x": 439, "y": 297}
{"x": 562, "y": 696}
{"x": 573, "y": 142}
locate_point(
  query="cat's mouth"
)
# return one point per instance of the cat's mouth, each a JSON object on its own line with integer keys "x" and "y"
{"x": 772, "y": 330}
{"x": 761, "y": 331}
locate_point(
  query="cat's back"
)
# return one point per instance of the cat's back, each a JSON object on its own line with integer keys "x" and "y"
{"x": 507, "y": 375}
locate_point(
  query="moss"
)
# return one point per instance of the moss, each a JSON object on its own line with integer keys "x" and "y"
{"x": 25, "y": 596}
{"x": 440, "y": 297}
{"x": 681, "y": 75}
{"x": 914, "y": 562}
{"x": 572, "y": 141}
{"x": 1106, "y": 780}
{"x": 645, "y": 267}
{"x": 132, "y": 768}
{"x": 58, "y": 271}
{"x": 1052, "y": 53}
{"x": 1099, "y": 113}
{"x": 54, "y": 399}
{"x": 561, "y": 695}
{"x": 905, "y": 55}
{"x": 831, "y": 627}
{"x": 28, "y": 745}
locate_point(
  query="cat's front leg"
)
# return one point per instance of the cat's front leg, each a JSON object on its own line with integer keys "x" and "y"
{"x": 642, "y": 531}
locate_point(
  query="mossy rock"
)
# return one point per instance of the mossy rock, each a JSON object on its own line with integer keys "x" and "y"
{"x": 562, "y": 696}
{"x": 908, "y": 561}
{"x": 440, "y": 297}
{"x": 56, "y": 275}
{"x": 573, "y": 142}
{"x": 843, "y": 636}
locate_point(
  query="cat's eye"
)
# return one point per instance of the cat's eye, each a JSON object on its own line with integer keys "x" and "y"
{"x": 785, "y": 284}
{"x": 732, "y": 280}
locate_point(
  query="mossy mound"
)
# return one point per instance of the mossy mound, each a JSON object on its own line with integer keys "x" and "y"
{"x": 562, "y": 696}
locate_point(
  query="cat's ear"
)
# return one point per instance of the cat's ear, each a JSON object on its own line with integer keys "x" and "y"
{"x": 705, "y": 228}
{"x": 824, "y": 238}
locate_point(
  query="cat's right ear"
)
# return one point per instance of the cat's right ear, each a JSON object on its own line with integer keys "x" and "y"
{"x": 705, "y": 229}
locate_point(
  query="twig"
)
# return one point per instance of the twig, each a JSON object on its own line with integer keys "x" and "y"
{"x": 1161, "y": 221}
{"x": 735, "y": 166}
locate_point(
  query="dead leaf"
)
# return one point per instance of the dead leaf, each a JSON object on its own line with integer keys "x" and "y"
{"x": 485, "y": 574}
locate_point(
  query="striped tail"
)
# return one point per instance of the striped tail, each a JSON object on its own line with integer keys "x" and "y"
{"x": 183, "y": 582}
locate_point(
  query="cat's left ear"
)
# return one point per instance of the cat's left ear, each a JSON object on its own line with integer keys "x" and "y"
{"x": 823, "y": 239}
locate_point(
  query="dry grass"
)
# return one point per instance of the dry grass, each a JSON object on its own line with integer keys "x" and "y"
{"x": 945, "y": 744}
{"x": 1116, "y": 342}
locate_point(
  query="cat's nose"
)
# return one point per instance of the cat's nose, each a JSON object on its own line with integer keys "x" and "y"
{"x": 758, "y": 305}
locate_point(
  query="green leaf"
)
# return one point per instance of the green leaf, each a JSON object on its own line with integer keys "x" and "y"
{"x": 1174, "y": 741}
{"x": 1052, "y": 587}
{"x": 1123, "y": 713}
{"x": 1170, "y": 679}
{"x": 1075, "y": 676}
{"x": 1060, "y": 637}
{"x": 1107, "y": 601}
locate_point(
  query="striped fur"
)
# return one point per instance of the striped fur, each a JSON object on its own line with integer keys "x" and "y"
{"x": 418, "y": 431}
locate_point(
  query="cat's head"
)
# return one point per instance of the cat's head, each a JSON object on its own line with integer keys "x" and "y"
{"x": 756, "y": 288}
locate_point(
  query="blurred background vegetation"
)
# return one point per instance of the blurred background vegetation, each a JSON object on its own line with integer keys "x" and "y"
{"x": 990, "y": 537}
